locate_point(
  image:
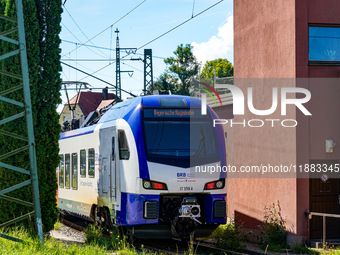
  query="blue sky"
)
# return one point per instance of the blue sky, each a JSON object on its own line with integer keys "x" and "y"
{"x": 210, "y": 33}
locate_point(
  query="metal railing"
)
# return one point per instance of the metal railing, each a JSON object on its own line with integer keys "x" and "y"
{"x": 323, "y": 215}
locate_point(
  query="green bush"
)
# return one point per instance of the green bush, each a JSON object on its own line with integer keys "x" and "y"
{"x": 273, "y": 230}
{"x": 230, "y": 237}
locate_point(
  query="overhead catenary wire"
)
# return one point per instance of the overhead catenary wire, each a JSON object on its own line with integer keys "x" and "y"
{"x": 172, "y": 29}
{"x": 158, "y": 37}
{"x": 89, "y": 40}
{"x": 77, "y": 44}
{"x": 193, "y": 9}
{"x": 131, "y": 94}
{"x": 179, "y": 25}
{"x": 105, "y": 48}
{"x": 98, "y": 70}
{"x": 111, "y": 24}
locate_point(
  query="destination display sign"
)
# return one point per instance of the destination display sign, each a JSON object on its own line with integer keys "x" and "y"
{"x": 172, "y": 113}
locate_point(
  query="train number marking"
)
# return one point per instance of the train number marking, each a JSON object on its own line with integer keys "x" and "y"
{"x": 186, "y": 188}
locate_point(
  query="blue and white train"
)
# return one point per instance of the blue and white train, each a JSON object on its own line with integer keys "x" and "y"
{"x": 143, "y": 166}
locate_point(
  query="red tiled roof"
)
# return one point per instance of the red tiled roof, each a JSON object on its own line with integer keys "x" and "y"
{"x": 89, "y": 101}
{"x": 105, "y": 103}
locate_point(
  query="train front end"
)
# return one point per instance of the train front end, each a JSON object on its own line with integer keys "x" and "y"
{"x": 181, "y": 187}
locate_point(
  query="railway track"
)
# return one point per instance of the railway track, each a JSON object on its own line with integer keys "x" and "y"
{"x": 74, "y": 222}
{"x": 208, "y": 245}
{"x": 181, "y": 247}
{"x": 172, "y": 247}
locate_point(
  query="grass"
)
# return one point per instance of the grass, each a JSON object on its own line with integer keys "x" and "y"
{"x": 51, "y": 246}
{"x": 303, "y": 249}
{"x": 58, "y": 225}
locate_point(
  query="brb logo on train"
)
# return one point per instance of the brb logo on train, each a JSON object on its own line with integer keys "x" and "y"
{"x": 239, "y": 100}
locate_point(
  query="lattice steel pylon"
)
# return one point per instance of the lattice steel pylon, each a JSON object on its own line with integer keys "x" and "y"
{"x": 26, "y": 113}
{"x": 148, "y": 72}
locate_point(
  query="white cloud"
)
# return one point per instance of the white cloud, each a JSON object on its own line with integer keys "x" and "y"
{"x": 218, "y": 46}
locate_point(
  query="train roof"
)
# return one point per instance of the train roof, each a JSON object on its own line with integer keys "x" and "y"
{"x": 121, "y": 109}
{"x": 154, "y": 101}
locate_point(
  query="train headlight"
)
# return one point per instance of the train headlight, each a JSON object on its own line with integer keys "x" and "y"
{"x": 147, "y": 184}
{"x": 215, "y": 185}
{"x": 154, "y": 185}
{"x": 219, "y": 184}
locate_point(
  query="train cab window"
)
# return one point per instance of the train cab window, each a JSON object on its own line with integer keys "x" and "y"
{"x": 91, "y": 163}
{"x": 67, "y": 171}
{"x": 83, "y": 163}
{"x": 74, "y": 171}
{"x": 61, "y": 171}
{"x": 124, "y": 152}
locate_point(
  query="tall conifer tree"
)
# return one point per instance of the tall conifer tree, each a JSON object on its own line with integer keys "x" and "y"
{"x": 42, "y": 27}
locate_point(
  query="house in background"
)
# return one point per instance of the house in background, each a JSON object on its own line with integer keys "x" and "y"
{"x": 85, "y": 103}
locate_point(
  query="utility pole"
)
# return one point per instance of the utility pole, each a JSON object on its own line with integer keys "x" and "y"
{"x": 118, "y": 71}
{"x": 148, "y": 73}
{"x": 26, "y": 114}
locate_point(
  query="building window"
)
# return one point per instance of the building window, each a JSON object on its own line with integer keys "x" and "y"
{"x": 67, "y": 171}
{"x": 75, "y": 171}
{"x": 91, "y": 163}
{"x": 83, "y": 163}
{"x": 324, "y": 44}
{"x": 61, "y": 171}
{"x": 124, "y": 152}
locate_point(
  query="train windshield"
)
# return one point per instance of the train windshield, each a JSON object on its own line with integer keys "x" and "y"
{"x": 179, "y": 137}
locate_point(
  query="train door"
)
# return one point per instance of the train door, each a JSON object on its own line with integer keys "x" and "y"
{"x": 106, "y": 175}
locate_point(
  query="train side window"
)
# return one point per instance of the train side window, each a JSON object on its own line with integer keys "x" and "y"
{"x": 67, "y": 171}
{"x": 74, "y": 171}
{"x": 124, "y": 152}
{"x": 91, "y": 163}
{"x": 83, "y": 163}
{"x": 61, "y": 171}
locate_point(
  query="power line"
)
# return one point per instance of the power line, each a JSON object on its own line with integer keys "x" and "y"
{"x": 77, "y": 44}
{"x": 111, "y": 24}
{"x": 89, "y": 40}
{"x": 97, "y": 78}
{"x": 133, "y": 67}
{"x": 192, "y": 17}
{"x": 87, "y": 45}
{"x": 104, "y": 48}
{"x": 193, "y": 9}
{"x": 98, "y": 70}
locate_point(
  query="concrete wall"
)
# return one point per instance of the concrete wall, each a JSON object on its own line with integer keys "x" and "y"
{"x": 264, "y": 34}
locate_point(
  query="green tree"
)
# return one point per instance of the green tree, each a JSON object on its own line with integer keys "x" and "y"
{"x": 164, "y": 83}
{"x": 42, "y": 27}
{"x": 183, "y": 66}
{"x": 47, "y": 126}
{"x": 221, "y": 66}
